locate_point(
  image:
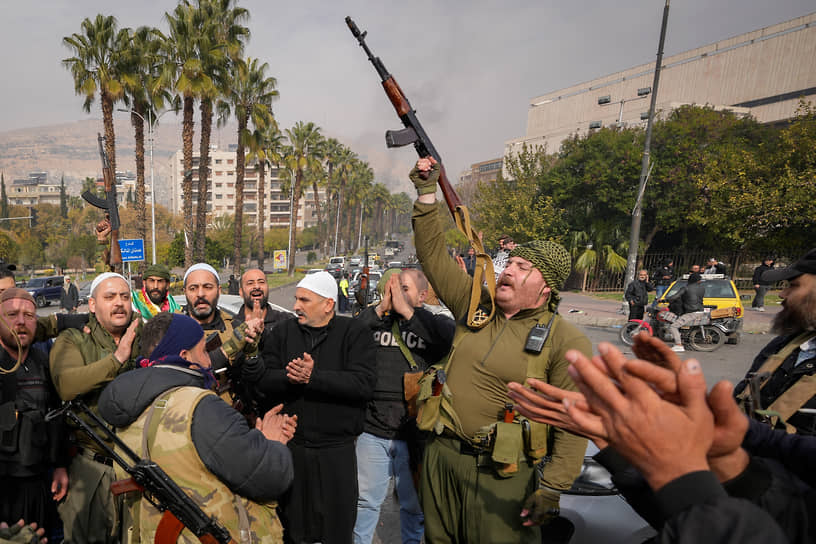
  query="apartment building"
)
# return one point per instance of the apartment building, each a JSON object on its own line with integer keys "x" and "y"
{"x": 221, "y": 197}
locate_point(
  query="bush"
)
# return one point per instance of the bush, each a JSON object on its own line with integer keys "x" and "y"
{"x": 311, "y": 257}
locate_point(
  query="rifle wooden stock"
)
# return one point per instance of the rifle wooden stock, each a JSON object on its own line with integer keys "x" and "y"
{"x": 127, "y": 485}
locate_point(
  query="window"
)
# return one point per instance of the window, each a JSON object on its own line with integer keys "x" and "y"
{"x": 218, "y": 196}
{"x": 217, "y": 161}
{"x": 230, "y": 161}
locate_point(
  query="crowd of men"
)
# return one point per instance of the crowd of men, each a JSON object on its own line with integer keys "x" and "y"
{"x": 289, "y": 426}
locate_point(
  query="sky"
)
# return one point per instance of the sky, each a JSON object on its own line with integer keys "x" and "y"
{"x": 469, "y": 68}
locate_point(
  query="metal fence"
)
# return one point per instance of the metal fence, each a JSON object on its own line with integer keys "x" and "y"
{"x": 739, "y": 266}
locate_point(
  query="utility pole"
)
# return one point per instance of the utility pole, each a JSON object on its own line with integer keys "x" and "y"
{"x": 634, "y": 241}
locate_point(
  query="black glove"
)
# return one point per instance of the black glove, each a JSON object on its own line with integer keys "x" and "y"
{"x": 71, "y": 321}
{"x": 425, "y": 185}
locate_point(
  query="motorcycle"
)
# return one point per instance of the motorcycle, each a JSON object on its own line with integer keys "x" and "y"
{"x": 708, "y": 335}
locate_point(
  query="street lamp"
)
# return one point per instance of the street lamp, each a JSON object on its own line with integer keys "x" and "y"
{"x": 150, "y": 122}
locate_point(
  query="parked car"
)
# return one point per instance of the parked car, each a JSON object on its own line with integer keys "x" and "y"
{"x": 720, "y": 292}
{"x": 592, "y": 510}
{"x": 335, "y": 270}
{"x": 338, "y": 260}
{"x": 395, "y": 264}
{"x": 45, "y": 290}
{"x": 84, "y": 293}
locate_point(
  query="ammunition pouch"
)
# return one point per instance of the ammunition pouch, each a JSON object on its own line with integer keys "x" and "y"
{"x": 24, "y": 434}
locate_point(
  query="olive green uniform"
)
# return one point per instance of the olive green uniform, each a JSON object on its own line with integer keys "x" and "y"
{"x": 81, "y": 365}
{"x": 463, "y": 497}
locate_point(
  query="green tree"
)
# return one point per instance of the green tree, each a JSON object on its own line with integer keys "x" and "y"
{"x": 519, "y": 207}
{"x": 63, "y": 198}
{"x": 265, "y": 147}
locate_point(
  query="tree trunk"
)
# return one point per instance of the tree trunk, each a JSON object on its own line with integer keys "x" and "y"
{"x": 203, "y": 179}
{"x": 261, "y": 211}
{"x": 293, "y": 221}
{"x": 238, "y": 226}
{"x": 187, "y": 182}
{"x": 141, "y": 216}
{"x": 110, "y": 143}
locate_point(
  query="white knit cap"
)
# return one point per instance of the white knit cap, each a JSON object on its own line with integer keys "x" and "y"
{"x": 107, "y": 275}
{"x": 202, "y": 266}
{"x": 321, "y": 283}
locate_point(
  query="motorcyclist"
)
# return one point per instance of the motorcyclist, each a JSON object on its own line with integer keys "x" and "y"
{"x": 691, "y": 297}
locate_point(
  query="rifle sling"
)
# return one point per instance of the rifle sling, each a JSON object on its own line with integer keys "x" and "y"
{"x": 775, "y": 361}
{"x": 797, "y": 395}
{"x": 482, "y": 272}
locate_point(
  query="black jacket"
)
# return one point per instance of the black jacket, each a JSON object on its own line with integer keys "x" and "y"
{"x": 663, "y": 275}
{"x": 783, "y": 378}
{"x": 28, "y": 445}
{"x": 758, "y": 271}
{"x": 428, "y": 337}
{"x": 638, "y": 292}
{"x": 691, "y": 296}
{"x": 331, "y": 407}
{"x": 242, "y": 458}
{"x": 69, "y": 299}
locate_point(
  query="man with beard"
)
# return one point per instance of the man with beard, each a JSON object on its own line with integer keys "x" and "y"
{"x": 81, "y": 365}
{"x": 29, "y": 447}
{"x": 322, "y": 367}
{"x": 255, "y": 292}
{"x": 479, "y": 480}
{"x": 153, "y": 297}
{"x": 201, "y": 289}
{"x": 786, "y": 367}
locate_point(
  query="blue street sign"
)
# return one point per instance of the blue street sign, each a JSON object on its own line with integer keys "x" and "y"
{"x": 132, "y": 250}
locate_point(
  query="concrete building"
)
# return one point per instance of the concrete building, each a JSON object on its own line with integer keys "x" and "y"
{"x": 478, "y": 172}
{"x": 763, "y": 73}
{"x": 221, "y": 198}
{"x": 34, "y": 190}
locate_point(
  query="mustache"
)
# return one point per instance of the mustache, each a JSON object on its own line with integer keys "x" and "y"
{"x": 256, "y": 293}
{"x": 202, "y": 301}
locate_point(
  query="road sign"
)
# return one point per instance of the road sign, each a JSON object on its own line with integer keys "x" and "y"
{"x": 132, "y": 250}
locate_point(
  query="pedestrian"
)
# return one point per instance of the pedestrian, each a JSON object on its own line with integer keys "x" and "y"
{"x": 715, "y": 267}
{"x": 761, "y": 286}
{"x": 232, "y": 285}
{"x": 321, "y": 366}
{"x": 69, "y": 296}
{"x": 480, "y": 479}
{"x": 506, "y": 245}
{"x": 344, "y": 295}
{"x": 167, "y": 410}
{"x": 637, "y": 294}
{"x": 662, "y": 278}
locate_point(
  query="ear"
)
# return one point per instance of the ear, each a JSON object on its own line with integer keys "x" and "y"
{"x": 91, "y": 305}
{"x": 423, "y": 295}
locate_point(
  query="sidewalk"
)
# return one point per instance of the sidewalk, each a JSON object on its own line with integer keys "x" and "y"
{"x": 595, "y": 312}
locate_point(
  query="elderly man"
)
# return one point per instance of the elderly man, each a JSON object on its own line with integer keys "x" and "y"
{"x": 29, "y": 447}
{"x": 153, "y": 297}
{"x": 786, "y": 367}
{"x": 409, "y": 339}
{"x": 232, "y": 471}
{"x": 322, "y": 367}
{"x": 479, "y": 481}
{"x": 69, "y": 296}
{"x": 81, "y": 365}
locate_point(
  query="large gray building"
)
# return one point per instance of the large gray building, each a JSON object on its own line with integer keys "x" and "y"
{"x": 763, "y": 73}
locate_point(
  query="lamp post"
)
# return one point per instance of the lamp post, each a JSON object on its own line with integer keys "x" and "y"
{"x": 150, "y": 122}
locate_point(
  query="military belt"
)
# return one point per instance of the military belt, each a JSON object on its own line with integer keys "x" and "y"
{"x": 93, "y": 456}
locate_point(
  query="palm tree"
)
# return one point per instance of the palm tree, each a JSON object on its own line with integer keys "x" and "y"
{"x": 343, "y": 167}
{"x": 96, "y": 66}
{"x": 250, "y": 97}
{"x": 142, "y": 93}
{"x": 222, "y": 37}
{"x": 265, "y": 146}
{"x": 360, "y": 180}
{"x": 184, "y": 73}
{"x": 304, "y": 139}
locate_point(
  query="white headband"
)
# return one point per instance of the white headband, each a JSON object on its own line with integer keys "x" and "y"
{"x": 202, "y": 266}
{"x": 106, "y": 276}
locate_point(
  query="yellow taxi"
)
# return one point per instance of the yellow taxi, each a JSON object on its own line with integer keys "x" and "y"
{"x": 720, "y": 293}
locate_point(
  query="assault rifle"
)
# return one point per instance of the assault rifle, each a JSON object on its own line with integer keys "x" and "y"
{"x": 155, "y": 485}
{"x": 109, "y": 204}
{"x": 413, "y": 133}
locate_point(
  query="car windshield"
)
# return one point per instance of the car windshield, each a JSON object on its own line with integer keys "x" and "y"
{"x": 36, "y": 282}
{"x": 713, "y": 288}
{"x": 336, "y": 260}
